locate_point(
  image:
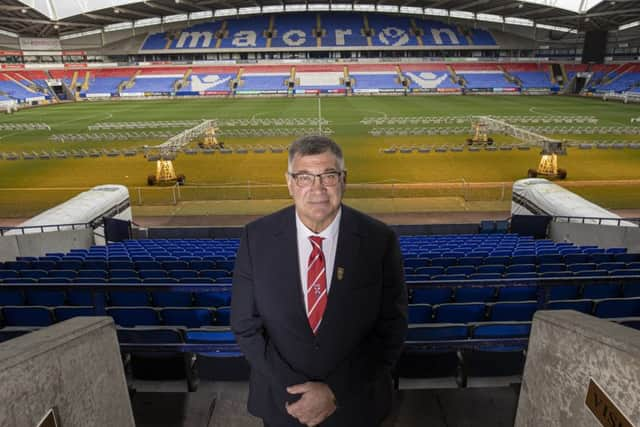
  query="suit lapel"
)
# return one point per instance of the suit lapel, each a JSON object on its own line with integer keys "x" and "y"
{"x": 345, "y": 269}
{"x": 286, "y": 240}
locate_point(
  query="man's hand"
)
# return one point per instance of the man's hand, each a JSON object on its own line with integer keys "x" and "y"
{"x": 315, "y": 405}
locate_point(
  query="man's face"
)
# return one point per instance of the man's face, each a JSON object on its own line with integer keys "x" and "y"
{"x": 317, "y": 204}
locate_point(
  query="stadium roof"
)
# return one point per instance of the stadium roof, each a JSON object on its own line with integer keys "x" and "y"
{"x": 50, "y": 18}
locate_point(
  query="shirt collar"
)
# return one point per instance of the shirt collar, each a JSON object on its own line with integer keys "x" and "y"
{"x": 328, "y": 233}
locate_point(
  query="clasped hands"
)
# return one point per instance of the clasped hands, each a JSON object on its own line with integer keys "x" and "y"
{"x": 315, "y": 405}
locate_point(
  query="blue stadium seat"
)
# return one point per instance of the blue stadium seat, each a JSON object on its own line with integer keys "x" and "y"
{"x": 617, "y": 307}
{"x": 222, "y": 316}
{"x": 213, "y": 335}
{"x": 134, "y": 316}
{"x": 45, "y": 297}
{"x": 517, "y": 293}
{"x": 521, "y": 275}
{"x": 545, "y": 268}
{"x": 214, "y": 274}
{"x": 581, "y": 266}
{"x": 152, "y": 274}
{"x": 202, "y": 265}
{"x": 187, "y": 317}
{"x": 430, "y": 271}
{"x": 27, "y": 316}
{"x": 64, "y": 313}
{"x": 576, "y": 258}
{"x": 171, "y": 299}
{"x": 581, "y": 305}
{"x": 470, "y": 260}
{"x": 415, "y": 262}
{"x": 618, "y": 257}
{"x": 461, "y": 269}
{"x": 628, "y": 290}
{"x": 128, "y": 298}
{"x": 550, "y": 259}
{"x": 610, "y": 266}
{"x": 475, "y": 294}
{"x": 520, "y": 268}
{"x": 125, "y": 280}
{"x": 420, "y": 313}
{"x": 496, "y": 260}
{"x": 36, "y": 274}
{"x": 459, "y": 312}
{"x": 513, "y": 311}
{"x": 491, "y": 268}
{"x": 560, "y": 292}
{"x": 431, "y": 295}
{"x": 485, "y": 276}
{"x": 11, "y": 297}
{"x": 218, "y": 298}
{"x": 444, "y": 262}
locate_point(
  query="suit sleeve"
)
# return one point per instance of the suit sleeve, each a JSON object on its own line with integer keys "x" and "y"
{"x": 248, "y": 326}
{"x": 389, "y": 333}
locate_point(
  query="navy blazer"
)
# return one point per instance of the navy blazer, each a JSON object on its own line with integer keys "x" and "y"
{"x": 362, "y": 330}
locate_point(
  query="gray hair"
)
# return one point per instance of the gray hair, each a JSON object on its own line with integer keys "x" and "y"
{"x": 315, "y": 144}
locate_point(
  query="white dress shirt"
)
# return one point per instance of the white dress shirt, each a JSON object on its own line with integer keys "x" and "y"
{"x": 329, "y": 245}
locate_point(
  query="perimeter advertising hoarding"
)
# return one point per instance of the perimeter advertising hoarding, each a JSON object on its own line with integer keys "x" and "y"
{"x": 449, "y": 90}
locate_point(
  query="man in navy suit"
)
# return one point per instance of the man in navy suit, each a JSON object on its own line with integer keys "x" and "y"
{"x": 319, "y": 304}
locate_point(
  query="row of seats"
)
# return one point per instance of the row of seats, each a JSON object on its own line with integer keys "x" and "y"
{"x": 521, "y": 267}
{"x": 7, "y": 275}
{"x": 220, "y": 296}
{"x": 195, "y": 317}
{"x": 453, "y": 259}
{"x": 519, "y": 310}
{"x": 117, "y": 264}
{"x": 40, "y": 316}
{"x": 439, "y": 295}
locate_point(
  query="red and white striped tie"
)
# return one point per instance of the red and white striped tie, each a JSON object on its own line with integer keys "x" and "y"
{"x": 316, "y": 284}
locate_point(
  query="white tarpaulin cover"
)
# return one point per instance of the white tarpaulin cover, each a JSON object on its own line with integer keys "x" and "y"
{"x": 538, "y": 196}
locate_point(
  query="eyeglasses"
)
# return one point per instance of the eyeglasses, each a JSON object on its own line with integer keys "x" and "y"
{"x": 305, "y": 179}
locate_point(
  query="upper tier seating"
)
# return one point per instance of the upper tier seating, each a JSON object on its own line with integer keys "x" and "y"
{"x": 294, "y": 30}
{"x": 343, "y": 29}
{"x": 245, "y": 33}
{"x": 391, "y": 30}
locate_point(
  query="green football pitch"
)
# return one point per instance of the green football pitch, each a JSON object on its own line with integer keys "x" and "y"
{"x": 606, "y": 176}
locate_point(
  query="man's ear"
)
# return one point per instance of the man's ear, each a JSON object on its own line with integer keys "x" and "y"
{"x": 344, "y": 177}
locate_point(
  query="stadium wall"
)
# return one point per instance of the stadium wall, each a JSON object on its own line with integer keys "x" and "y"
{"x": 73, "y": 366}
{"x": 605, "y": 236}
{"x": 567, "y": 350}
{"x": 39, "y": 244}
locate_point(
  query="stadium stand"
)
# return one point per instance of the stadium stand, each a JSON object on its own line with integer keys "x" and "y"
{"x": 294, "y": 30}
{"x": 298, "y": 30}
{"x": 343, "y": 29}
{"x": 245, "y": 32}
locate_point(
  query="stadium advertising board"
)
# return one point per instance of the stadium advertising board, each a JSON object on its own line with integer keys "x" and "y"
{"x": 423, "y": 90}
{"x": 215, "y": 92}
{"x": 448, "y": 90}
{"x": 366, "y": 90}
{"x": 12, "y": 66}
{"x": 306, "y": 91}
{"x": 10, "y": 53}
